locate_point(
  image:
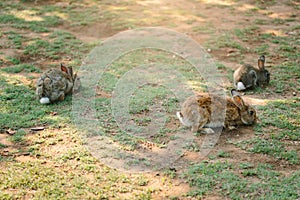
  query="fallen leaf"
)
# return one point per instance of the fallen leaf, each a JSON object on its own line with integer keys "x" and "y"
{"x": 231, "y": 50}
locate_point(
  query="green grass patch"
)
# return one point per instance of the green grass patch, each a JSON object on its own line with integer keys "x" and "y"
{"x": 16, "y": 39}
{"x": 19, "y": 68}
{"x": 287, "y": 77}
{"x": 206, "y": 29}
{"x": 278, "y": 21}
{"x": 281, "y": 115}
{"x": 272, "y": 148}
{"x": 71, "y": 172}
{"x": 35, "y": 26}
{"x": 59, "y": 43}
{"x": 263, "y": 5}
{"x": 18, "y": 136}
{"x": 14, "y": 61}
{"x": 19, "y": 107}
{"x": 260, "y": 182}
{"x": 246, "y": 33}
{"x": 280, "y": 124}
{"x": 83, "y": 15}
{"x": 148, "y": 96}
{"x": 227, "y": 41}
{"x": 260, "y": 21}
{"x": 3, "y": 145}
{"x": 144, "y": 97}
{"x": 262, "y": 49}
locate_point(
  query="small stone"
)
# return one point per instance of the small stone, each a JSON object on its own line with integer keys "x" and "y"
{"x": 53, "y": 113}
{"x": 10, "y": 132}
{"x": 38, "y": 128}
{"x": 294, "y": 93}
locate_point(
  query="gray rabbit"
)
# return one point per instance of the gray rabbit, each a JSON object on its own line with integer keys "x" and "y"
{"x": 247, "y": 76}
{"x": 55, "y": 84}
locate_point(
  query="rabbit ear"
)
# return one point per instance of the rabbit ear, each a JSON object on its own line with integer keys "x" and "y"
{"x": 237, "y": 99}
{"x": 75, "y": 76}
{"x": 70, "y": 71}
{"x": 63, "y": 68}
{"x": 261, "y": 62}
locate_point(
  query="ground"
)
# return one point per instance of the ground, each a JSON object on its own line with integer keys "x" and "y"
{"x": 42, "y": 153}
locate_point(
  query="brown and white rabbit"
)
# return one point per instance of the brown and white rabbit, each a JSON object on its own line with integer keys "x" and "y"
{"x": 196, "y": 112}
{"x": 247, "y": 76}
{"x": 55, "y": 84}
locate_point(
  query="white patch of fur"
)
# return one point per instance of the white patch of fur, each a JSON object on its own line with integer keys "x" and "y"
{"x": 240, "y": 86}
{"x": 183, "y": 121}
{"x": 44, "y": 100}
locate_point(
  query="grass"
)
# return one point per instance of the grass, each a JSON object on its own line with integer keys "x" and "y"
{"x": 58, "y": 44}
{"x": 262, "y": 49}
{"x": 244, "y": 33}
{"x": 15, "y": 38}
{"x": 271, "y": 147}
{"x": 252, "y": 182}
{"x": 20, "y": 68}
{"x": 204, "y": 29}
{"x": 143, "y": 98}
{"x": 279, "y": 125}
{"x": 40, "y": 19}
{"x": 288, "y": 72}
{"x": 17, "y": 113}
{"x": 54, "y": 163}
{"x": 51, "y": 183}
{"x": 35, "y": 26}
{"x": 226, "y": 40}
{"x": 285, "y": 114}
{"x": 3, "y": 145}
{"x": 18, "y": 136}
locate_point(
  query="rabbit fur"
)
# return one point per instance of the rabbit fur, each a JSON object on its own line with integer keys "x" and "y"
{"x": 55, "y": 84}
{"x": 247, "y": 76}
{"x": 196, "y": 112}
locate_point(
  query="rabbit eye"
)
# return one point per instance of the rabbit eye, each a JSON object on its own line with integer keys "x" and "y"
{"x": 251, "y": 112}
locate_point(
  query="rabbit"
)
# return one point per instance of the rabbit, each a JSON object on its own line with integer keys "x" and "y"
{"x": 247, "y": 76}
{"x": 55, "y": 84}
{"x": 196, "y": 112}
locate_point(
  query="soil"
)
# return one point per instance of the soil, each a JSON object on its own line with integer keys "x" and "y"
{"x": 206, "y": 13}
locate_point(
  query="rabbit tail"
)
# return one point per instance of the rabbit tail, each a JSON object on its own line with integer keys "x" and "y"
{"x": 180, "y": 117}
{"x": 240, "y": 86}
{"x": 183, "y": 120}
{"x": 44, "y": 100}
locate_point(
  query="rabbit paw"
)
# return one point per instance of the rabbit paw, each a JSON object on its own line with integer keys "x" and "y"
{"x": 207, "y": 131}
{"x": 232, "y": 128}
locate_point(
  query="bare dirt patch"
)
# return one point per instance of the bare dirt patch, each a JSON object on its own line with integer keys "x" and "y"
{"x": 204, "y": 21}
